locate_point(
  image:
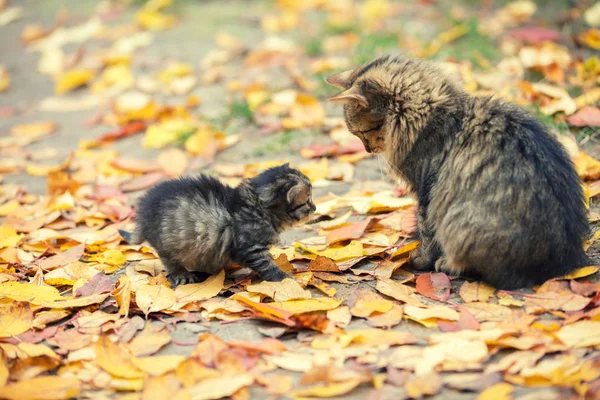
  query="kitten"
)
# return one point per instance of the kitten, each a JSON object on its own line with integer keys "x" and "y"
{"x": 201, "y": 225}
{"x": 499, "y": 198}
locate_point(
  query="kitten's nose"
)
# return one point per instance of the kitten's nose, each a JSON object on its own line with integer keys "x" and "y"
{"x": 313, "y": 207}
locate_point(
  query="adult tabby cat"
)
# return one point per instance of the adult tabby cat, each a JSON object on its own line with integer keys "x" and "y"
{"x": 199, "y": 225}
{"x": 499, "y": 198}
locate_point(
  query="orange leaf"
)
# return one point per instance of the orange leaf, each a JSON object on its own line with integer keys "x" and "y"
{"x": 435, "y": 286}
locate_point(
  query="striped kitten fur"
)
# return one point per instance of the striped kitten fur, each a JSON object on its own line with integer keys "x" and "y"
{"x": 199, "y": 225}
{"x": 499, "y": 198}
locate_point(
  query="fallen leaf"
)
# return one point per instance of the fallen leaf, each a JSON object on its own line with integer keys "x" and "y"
{"x": 587, "y": 116}
{"x": 34, "y": 129}
{"x": 434, "y": 285}
{"x": 153, "y": 298}
{"x": 386, "y": 319}
{"x": 288, "y": 289}
{"x": 476, "y": 291}
{"x": 115, "y": 359}
{"x": 327, "y": 390}
{"x": 308, "y": 305}
{"x": 364, "y": 302}
{"x": 100, "y": 283}
{"x": 208, "y": 289}
{"x": 150, "y": 340}
{"x": 376, "y": 337}
{"x": 426, "y": 385}
{"x": 438, "y": 312}
{"x": 9, "y": 237}
{"x": 157, "y": 365}
{"x": 15, "y": 318}
{"x": 500, "y": 391}
{"x": 142, "y": 182}
{"x": 323, "y": 264}
{"x": 173, "y": 161}
{"x": 216, "y": 388}
{"x": 580, "y": 334}
{"x": 42, "y": 388}
{"x": 396, "y": 290}
{"x": 581, "y": 273}
{"x": 72, "y": 79}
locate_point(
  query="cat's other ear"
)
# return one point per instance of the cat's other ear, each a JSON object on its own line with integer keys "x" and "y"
{"x": 341, "y": 80}
{"x": 352, "y": 94}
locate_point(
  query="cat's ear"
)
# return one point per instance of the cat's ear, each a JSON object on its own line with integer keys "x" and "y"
{"x": 293, "y": 192}
{"x": 352, "y": 94}
{"x": 341, "y": 80}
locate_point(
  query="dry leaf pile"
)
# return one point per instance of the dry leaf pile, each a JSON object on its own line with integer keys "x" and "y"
{"x": 85, "y": 315}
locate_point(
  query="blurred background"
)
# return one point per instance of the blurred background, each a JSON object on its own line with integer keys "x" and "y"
{"x": 244, "y": 80}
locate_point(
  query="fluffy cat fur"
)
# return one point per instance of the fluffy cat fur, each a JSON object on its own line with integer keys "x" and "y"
{"x": 199, "y": 225}
{"x": 499, "y": 198}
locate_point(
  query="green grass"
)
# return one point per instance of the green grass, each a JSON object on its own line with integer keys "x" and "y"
{"x": 470, "y": 45}
{"x": 548, "y": 120}
{"x": 240, "y": 109}
{"x": 281, "y": 142}
{"x": 314, "y": 47}
{"x": 374, "y": 45}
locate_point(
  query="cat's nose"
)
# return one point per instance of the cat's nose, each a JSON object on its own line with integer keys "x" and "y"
{"x": 313, "y": 207}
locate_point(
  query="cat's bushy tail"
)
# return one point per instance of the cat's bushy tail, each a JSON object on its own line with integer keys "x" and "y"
{"x": 134, "y": 237}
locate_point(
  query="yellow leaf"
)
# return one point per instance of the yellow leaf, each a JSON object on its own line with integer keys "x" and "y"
{"x": 117, "y": 76}
{"x": 9, "y": 237}
{"x": 111, "y": 257}
{"x": 115, "y": 359}
{"x": 189, "y": 293}
{"x": 505, "y": 299}
{"x": 327, "y": 390}
{"x": 70, "y": 273}
{"x": 4, "y": 79}
{"x": 37, "y": 350}
{"x": 581, "y": 272}
{"x": 366, "y": 302}
{"x": 9, "y": 207}
{"x": 440, "y": 312}
{"x": 166, "y": 132}
{"x": 499, "y": 391}
{"x": 406, "y": 249}
{"x": 580, "y": 334}
{"x": 34, "y": 129}
{"x": 288, "y": 289}
{"x": 122, "y": 294}
{"x": 152, "y": 298}
{"x": 69, "y": 302}
{"x": 34, "y": 294}
{"x": 73, "y": 79}
{"x": 203, "y": 143}
{"x": 398, "y": 291}
{"x": 15, "y": 318}
{"x": 338, "y": 252}
{"x": 315, "y": 171}
{"x": 176, "y": 70}
{"x": 476, "y": 291}
{"x": 375, "y": 337}
{"x": 157, "y": 365}
{"x": 42, "y": 388}
{"x": 216, "y": 388}
{"x": 309, "y": 305}
{"x": 154, "y": 20}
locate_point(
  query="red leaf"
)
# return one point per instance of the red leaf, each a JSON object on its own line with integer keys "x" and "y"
{"x": 130, "y": 129}
{"x": 349, "y": 232}
{"x": 435, "y": 286}
{"x": 33, "y": 336}
{"x": 535, "y": 35}
{"x": 320, "y": 150}
{"x": 100, "y": 283}
{"x": 587, "y": 116}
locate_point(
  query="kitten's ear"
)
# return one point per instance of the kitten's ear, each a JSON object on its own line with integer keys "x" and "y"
{"x": 293, "y": 192}
{"x": 341, "y": 80}
{"x": 352, "y": 94}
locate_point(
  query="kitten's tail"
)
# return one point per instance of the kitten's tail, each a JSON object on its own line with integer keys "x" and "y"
{"x": 131, "y": 237}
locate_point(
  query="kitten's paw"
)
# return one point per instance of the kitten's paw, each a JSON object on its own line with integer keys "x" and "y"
{"x": 420, "y": 260}
{"x": 185, "y": 277}
{"x": 274, "y": 275}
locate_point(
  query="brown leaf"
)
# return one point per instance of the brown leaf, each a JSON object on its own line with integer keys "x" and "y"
{"x": 34, "y": 129}
{"x": 350, "y": 232}
{"x": 425, "y": 385}
{"x": 323, "y": 264}
{"x": 100, "y": 283}
{"x": 435, "y": 286}
{"x": 59, "y": 260}
{"x": 387, "y": 319}
{"x": 135, "y": 165}
{"x": 149, "y": 340}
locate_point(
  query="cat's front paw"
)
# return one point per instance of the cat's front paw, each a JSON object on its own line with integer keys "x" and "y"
{"x": 185, "y": 277}
{"x": 420, "y": 260}
{"x": 274, "y": 275}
